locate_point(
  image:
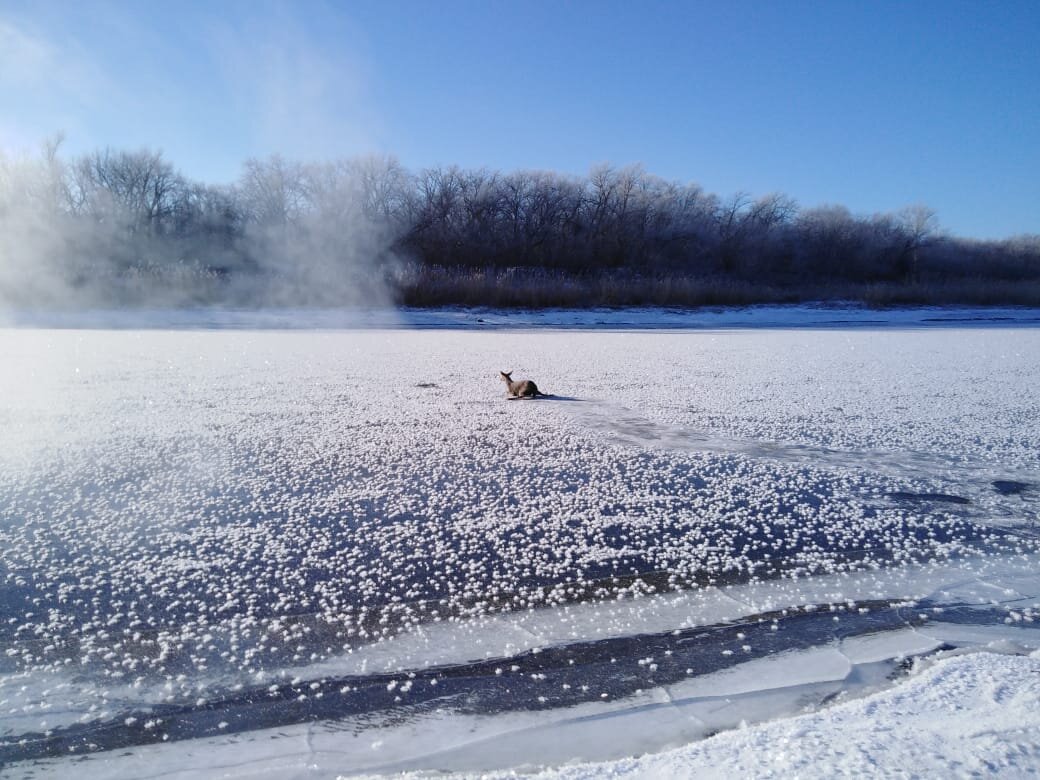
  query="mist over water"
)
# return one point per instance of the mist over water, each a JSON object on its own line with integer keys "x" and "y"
{"x": 120, "y": 229}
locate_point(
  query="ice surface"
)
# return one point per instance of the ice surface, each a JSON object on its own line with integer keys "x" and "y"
{"x": 207, "y": 535}
{"x": 815, "y": 681}
{"x": 475, "y": 318}
{"x": 963, "y": 716}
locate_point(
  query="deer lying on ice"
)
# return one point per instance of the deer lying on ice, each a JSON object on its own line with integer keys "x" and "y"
{"x": 522, "y": 388}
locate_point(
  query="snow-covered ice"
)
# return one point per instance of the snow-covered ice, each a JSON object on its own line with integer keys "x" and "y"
{"x": 342, "y": 550}
{"x": 961, "y": 716}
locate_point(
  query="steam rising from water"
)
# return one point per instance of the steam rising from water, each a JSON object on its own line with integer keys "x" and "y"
{"x": 118, "y": 228}
{"x": 115, "y": 228}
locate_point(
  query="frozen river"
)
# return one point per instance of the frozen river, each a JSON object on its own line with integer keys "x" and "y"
{"x": 335, "y": 551}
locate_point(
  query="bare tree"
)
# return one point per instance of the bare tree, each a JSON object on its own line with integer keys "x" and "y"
{"x": 385, "y": 187}
{"x": 335, "y": 227}
{"x": 919, "y": 223}
{"x": 140, "y": 186}
{"x": 271, "y": 191}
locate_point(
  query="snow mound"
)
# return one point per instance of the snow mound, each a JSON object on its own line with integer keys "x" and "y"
{"x": 972, "y": 714}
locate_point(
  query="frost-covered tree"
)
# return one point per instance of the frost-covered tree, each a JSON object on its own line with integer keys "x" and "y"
{"x": 319, "y": 230}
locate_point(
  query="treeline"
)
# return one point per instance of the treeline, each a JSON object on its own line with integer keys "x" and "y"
{"x": 114, "y": 227}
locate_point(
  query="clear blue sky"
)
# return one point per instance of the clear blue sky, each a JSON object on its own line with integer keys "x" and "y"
{"x": 874, "y": 105}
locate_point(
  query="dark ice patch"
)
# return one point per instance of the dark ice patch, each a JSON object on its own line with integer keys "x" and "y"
{"x": 1009, "y": 487}
{"x": 942, "y": 498}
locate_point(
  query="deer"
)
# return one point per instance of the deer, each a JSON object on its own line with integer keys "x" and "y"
{"x": 522, "y": 388}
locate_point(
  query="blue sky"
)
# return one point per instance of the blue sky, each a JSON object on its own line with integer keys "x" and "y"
{"x": 874, "y": 105}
